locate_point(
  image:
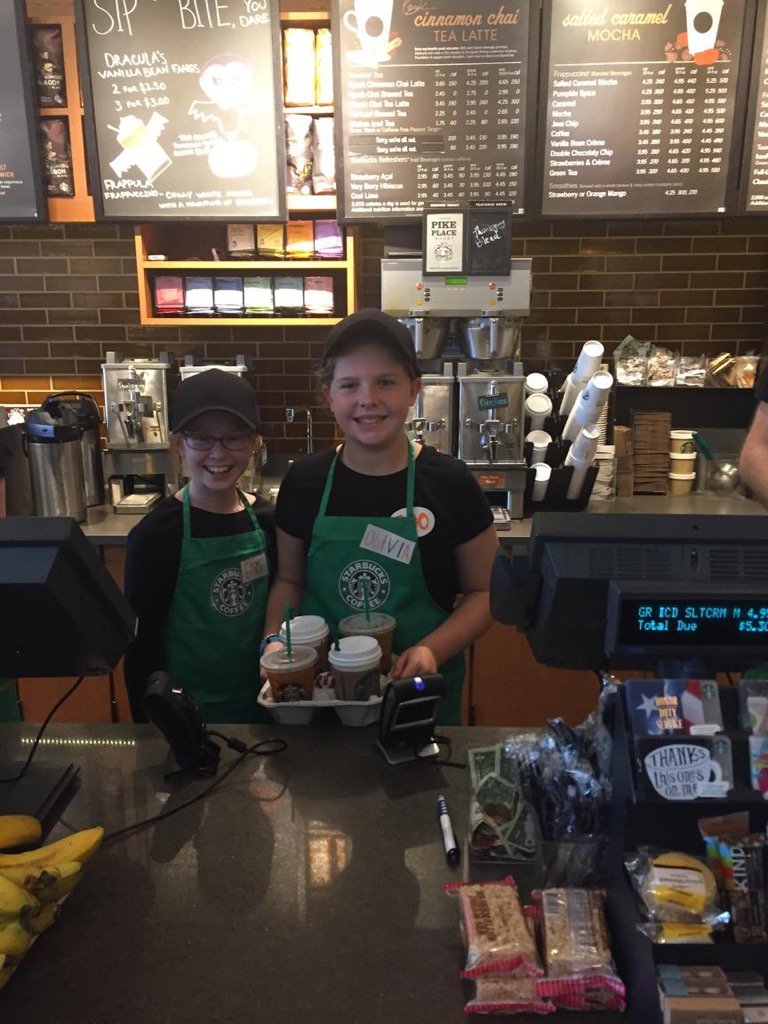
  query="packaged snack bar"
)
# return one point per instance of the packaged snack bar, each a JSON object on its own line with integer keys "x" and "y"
{"x": 580, "y": 971}
{"x": 745, "y": 882}
{"x": 495, "y": 932}
{"x": 503, "y": 993}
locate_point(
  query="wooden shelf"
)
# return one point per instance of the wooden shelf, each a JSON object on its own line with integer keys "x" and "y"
{"x": 314, "y": 111}
{"x": 241, "y": 321}
{"x": 310, "y": 204}
{"x": 229, "y": 267}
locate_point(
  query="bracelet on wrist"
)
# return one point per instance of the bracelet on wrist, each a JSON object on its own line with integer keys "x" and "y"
{"x": 272, "y": 638}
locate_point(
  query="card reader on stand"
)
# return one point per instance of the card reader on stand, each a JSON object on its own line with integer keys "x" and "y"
{"x": 408, "y": 711}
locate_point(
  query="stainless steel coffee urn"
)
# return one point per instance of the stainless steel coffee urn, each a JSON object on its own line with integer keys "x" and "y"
{"x": 88, "y": 419}
{"x": 55, "y": 464}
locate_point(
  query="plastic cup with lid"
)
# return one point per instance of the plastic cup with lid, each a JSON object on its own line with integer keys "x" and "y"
{"x": 538, "y": 407}
{"x": 536, "y": 384}
{"x": 310, "y": 631}
{"x": 378, "y": 625}
{"x": 541, "y": 482}
{"x": 356, "y": 667}
{"x": 290, "y": 678}
{"x": 540, "y": 440}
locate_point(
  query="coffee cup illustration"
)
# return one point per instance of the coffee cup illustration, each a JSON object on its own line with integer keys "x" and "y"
{"x": 370, "y": 20}
{"x": 702, "y": 23}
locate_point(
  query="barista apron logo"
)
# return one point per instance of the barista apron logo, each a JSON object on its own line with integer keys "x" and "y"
{"x": 352, "y": 587}
{"x": 229, "y": 595}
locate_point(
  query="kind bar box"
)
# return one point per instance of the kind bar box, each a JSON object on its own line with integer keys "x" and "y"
{"x": 701, "y": 1010}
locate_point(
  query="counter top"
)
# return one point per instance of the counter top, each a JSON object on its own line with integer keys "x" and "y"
{"x": 309, "y": 887}
{"x": 104, "y": 527}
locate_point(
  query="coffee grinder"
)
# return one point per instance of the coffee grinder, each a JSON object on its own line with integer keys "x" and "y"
{"x": 485, "y": 315}
{"x": 138, "y": 460}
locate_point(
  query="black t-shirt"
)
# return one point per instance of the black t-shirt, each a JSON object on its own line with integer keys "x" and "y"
{"x": 456, "y": 508}
{"x": 152, "y": 568}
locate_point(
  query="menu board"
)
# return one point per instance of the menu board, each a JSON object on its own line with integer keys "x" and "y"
{"x": 754, "y": 189}
{"x": 640, "y": 100}
{"x": 185, "y": 108}
{"x": 21, "y": 195}
{"x": 432, "y": 101}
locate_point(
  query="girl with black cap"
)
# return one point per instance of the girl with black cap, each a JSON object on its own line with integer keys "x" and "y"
{"x": 403, "y": 521}
{"x": 198, "y": 568}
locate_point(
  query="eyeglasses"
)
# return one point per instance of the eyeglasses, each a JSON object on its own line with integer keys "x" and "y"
{"x": 205, "y": 442}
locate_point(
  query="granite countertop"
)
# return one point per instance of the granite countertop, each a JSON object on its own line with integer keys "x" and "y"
{"x": 104, "y": 527}
{"x": 309, "y": 887}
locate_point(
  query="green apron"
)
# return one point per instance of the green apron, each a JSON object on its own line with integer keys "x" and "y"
{"x": 216, "y": 621}
{"x": 337, "y": 564}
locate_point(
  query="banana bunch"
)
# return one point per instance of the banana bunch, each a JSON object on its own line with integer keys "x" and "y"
{"x": 33, "y": 882}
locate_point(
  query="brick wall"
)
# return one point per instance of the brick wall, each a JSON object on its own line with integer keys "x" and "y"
{"x": 68, "y": 294}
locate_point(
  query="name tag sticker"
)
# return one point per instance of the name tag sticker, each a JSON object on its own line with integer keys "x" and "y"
{"x": 253, "y": 568}
{"x": 382, "y": 542}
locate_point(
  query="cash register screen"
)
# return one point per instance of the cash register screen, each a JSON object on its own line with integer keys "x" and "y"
{"x": 691, "y": 621}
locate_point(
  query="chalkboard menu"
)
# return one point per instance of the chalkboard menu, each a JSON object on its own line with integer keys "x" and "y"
{"x": 754, "y": 188}
{"x": 21, "y": 194}
{"x": 640, "y": 98}
{"x": 185, "y": 108}
{"x": 433, "y": 103}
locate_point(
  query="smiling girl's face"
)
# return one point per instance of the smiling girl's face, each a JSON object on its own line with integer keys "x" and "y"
{"x": 370, "y": 396}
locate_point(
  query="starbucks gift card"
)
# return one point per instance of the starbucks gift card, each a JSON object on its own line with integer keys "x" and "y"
{"x": 684, "y": 767}
{"x": 659, "y": 707}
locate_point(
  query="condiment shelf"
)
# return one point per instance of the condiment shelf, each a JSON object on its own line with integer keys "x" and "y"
{"x": 672, "y": 824}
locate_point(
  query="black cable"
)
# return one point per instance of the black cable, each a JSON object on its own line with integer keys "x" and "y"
{"x": 275, "y": 747}
{"x": 41, "y": 730}
{"x": 729, "y": 677}
{"x": 447, "y": 763}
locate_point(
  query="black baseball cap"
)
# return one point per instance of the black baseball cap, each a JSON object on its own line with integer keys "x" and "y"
{"x": 215, "y": 391}
{"x": 373, "y": 325}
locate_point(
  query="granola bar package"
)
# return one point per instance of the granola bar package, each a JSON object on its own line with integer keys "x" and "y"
{"x": 580, "y": 971}
{"x": 503, "y": 993}
{"x": 495, "y": 932}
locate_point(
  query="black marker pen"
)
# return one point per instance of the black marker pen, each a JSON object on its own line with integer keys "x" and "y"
{"x": 450, "y": 842}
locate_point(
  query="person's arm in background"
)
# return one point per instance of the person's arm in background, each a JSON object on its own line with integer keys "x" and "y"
{"x": 151, "y": 569}
{"x": 470, "y": 618}
{"x": 754, "y": 455}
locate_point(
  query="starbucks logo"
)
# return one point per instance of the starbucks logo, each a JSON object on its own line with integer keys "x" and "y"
{"x": 229, "y": 595}
{"x": 376, "y": 580}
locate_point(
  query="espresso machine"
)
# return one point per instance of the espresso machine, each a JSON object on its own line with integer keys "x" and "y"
{"x": 484, "y": 315}
{"x": 138, "y": 459}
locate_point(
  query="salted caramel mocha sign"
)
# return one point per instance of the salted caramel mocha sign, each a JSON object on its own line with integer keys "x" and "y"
{"x": 640, "y": 101}
{"x": 185, "y": 107}
{"x": 433, "y": 96}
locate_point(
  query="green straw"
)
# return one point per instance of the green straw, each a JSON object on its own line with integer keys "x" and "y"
{"x": 366, "y": 606}
{"x": 288, "y": 647}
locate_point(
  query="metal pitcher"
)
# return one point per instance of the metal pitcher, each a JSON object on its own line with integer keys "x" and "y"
{"x": 428, "y": 334}
{"x": 490, "y": 337}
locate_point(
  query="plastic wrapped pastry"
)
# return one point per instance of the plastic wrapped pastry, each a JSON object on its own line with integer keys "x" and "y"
{"x": 323, "y": 157}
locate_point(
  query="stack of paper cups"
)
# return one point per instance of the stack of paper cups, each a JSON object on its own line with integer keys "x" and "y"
{"x": 540, "y": 440}
{"x": 589, "y": 405}
{"x": 584, "y": 447}
{"x": 587, "y": 364}
{"x": 538, "y": 407}
{"x": 540, "y": 484}
{"x": 580, "y": 467}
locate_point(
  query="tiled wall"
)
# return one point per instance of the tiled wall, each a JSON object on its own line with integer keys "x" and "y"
{"x": 68, "y": 294}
